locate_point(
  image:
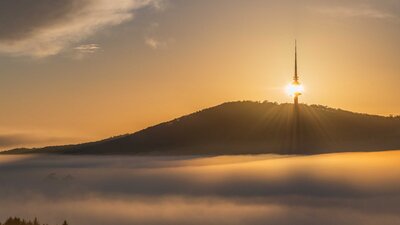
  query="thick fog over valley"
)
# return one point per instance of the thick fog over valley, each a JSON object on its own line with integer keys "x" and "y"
{"x": 345, "y": 188}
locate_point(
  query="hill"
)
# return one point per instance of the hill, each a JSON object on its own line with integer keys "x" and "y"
{"x": 251, "y": 128}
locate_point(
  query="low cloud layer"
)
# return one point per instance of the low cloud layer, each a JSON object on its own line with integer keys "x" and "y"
{"x": 46, "y": 27}
{"x": 350, "y": 188}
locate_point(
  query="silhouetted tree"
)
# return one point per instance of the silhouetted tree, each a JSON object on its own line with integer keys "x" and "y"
{"x": 18, "y": 221}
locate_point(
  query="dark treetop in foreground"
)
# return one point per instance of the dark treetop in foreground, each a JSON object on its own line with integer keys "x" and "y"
{"x": 252, "y": 128}
{"x": 18, "y": 221}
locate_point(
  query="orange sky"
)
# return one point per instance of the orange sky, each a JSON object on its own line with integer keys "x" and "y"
{"x": 104, "y": 75}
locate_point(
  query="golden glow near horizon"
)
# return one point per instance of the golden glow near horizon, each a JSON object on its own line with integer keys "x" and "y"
{"x": 165, "y": 63}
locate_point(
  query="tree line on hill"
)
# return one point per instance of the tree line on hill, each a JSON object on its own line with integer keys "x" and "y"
{"x": 18, "y": 221}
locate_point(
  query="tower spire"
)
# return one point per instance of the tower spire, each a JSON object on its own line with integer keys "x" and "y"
{"x": 296, "y": 76}
{"x": 296, "y": 82}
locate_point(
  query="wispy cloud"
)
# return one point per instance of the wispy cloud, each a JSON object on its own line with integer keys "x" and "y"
{"x": 154, "y": 43}
{"x": 361, "y": 11}
{"x": 87, "y": 48}
{"x": 54, "y": 26}
{"x": 153, "y": 40}
{"x": 160, "y": 4}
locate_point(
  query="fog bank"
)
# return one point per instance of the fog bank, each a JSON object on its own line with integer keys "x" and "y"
{"x": 348, "y": 188}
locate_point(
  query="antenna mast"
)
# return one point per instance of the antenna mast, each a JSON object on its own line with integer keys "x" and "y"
{"x": 296, "y": 76}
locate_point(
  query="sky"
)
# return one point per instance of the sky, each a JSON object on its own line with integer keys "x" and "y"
{"x": 81, "y": 70}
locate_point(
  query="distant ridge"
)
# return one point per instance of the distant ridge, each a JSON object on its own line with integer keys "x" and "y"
{"x": 250, "y": 128}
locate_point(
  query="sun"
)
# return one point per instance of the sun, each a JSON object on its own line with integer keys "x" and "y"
{"x": 294, "y": 89}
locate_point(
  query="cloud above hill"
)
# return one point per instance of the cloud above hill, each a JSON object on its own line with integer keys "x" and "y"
{"x": 360, "y": 9}
{"x": 42, "y": 28}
